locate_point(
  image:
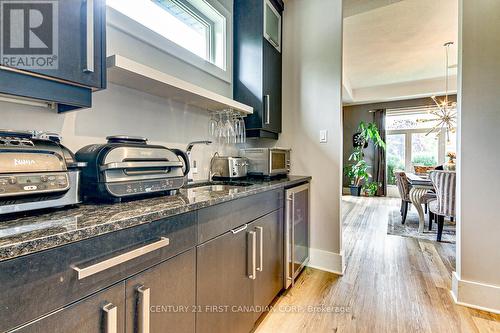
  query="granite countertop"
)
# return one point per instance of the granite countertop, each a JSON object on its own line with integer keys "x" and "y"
{"x": 22, "y": 235}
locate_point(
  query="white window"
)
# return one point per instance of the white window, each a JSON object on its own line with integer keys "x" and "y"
{"x": 410, "y": 144}
{"x": 194, "y": 25}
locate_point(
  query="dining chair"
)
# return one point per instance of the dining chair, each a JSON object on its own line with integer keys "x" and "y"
{"x": 444, "y": 206}
{"x": 404, "y": 192}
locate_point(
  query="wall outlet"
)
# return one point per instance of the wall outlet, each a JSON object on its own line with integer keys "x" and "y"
{"x": 323, "y": 136}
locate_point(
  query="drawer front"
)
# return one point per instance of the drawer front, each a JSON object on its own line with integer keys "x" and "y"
{"x": 50, "y": 278}
{"x": 106, "y": 309}
{"x": 216, "y": 220}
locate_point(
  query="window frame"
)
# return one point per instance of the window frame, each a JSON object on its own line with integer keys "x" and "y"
{"x": 122, "y": 22}
{"x": 408, "y": 145}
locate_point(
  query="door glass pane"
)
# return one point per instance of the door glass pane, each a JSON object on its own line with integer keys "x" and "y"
{"x": 395, "y": 156}
{"x": 301, "y": 228}
{"x": 272, "y": 24}
{"x": 424, "y": 149}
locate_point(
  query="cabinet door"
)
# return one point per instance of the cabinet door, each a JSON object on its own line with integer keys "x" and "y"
{"x": 225, "y": 266}
{"x": 80, "y": 43}
{"x": 162, "y": 298}
{"x": 269, "y": 281}
{"x": 103, "y": 312}
{"x": 272, "y": 88}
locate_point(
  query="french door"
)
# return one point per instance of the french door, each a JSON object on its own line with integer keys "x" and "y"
{"x": 407, "y": 148}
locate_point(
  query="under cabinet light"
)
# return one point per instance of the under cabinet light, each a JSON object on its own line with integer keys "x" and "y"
{"x": 26, "y": 101}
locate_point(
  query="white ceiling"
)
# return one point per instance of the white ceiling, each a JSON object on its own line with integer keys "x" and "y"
{"x": 396, "y": 44}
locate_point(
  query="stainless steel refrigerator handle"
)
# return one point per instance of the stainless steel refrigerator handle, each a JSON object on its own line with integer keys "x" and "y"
{"x": 260, "y": 230}
{"x": 109, "y": 263}
{"x": 89, "y": 62}
{"x": 143, "y": 313}
{"x": 288, "y": 242}
{"x": 253, "y": 259}
{"x": 267, "y": 107}
{"x": 292, "y": 240}
{"x": 110, "y": 318}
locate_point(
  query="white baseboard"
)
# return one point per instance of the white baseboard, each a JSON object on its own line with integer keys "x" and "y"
{"x": 475, "y": 295}
{"x": 327, "y": 261}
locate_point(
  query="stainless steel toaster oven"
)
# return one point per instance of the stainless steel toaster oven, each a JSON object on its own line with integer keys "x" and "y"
{"x": 267, "y": 162}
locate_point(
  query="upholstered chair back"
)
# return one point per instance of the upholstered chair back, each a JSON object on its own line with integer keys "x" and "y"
{"x": 445, "y": 183}
{"x": 403, "y": 185}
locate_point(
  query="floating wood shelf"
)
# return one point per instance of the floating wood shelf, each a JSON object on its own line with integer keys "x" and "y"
{"x": 131, "y": 74}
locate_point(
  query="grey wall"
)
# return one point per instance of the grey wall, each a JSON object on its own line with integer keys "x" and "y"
{"x": 119, "y": 110}
{"x": 312, "y": 83}
{"x": 477, "y": 277}
{"x": 354, "y": 114}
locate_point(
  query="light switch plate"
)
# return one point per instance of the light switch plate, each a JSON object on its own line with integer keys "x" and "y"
{"x": 323, "y": 136}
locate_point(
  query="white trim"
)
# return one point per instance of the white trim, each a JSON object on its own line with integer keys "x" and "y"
{"x": 131, "y": 74}
{"x": 129, "y": 26}
{"x": 327, "y": 261}
{"x": 481, "y": 296}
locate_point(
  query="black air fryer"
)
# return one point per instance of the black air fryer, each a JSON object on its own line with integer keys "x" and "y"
{"x": 128, "y": 167}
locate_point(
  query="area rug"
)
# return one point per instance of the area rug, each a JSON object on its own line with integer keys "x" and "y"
{"x": 410, "y": 228}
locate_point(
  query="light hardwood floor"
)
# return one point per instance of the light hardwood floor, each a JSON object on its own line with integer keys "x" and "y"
{"x": 391, "y": 284}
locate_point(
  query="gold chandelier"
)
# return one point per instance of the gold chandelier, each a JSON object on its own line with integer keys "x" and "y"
{"x": 445, "y": 113}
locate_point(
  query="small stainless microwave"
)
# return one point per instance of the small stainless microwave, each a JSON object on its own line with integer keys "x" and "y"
{"x": 267, "y": 162}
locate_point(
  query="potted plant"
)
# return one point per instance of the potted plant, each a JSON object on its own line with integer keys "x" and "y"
{"x": 371, "y": 188}
{"x": 357, "y": 171}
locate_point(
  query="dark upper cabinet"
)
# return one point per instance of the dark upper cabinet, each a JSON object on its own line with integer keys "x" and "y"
{"x": 257, "y": 68}
{"x": 63, "y": 59}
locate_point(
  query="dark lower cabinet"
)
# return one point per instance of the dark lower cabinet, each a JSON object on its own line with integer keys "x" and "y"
{"x": 224, "y": 285}
{"x": 162, "y": 299}
{"x": 237, "y": 276}
{"x": 269, "y": 278}
{"x": 101, "y": 313}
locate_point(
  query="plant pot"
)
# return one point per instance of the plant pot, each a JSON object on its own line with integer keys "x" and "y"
{"x": 355, "y": 190}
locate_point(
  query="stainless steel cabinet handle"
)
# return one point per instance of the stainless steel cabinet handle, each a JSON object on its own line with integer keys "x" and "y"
{"x": 143, "y": 314}
{"x": 89, "y": 62}
{"x": 106, "y": 264}
{"x": 240, "y": 229}
{"x": 260, "y": 230}
{"x": 253, "y": 255}
{"x": 110, "y": 318}
{"x": 267, "y": 109}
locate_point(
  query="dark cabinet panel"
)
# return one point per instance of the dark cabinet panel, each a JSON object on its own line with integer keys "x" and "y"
{"x": 95, "y": 314}
{"x": 69, "y": 60}
{"x": 269, "y": 281}
{"x": 257, "y": 69}
{"x": 50, "y": 278}
{"x": 76, "y": 42}
{"x": 224, "y": 283}
{"x": 169, "y": 290}
{"x": 216, "y": 220}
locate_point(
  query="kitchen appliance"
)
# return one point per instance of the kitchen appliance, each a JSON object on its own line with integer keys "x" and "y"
{"x": 36, "y": 172}
{"x": 127, "y": 167}
{"x": 297, "y": 232}
{"x": 227, "y": 167}
{"x": 267, "y": 162}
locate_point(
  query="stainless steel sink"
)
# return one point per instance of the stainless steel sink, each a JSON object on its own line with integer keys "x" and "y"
{"x": 216, "y": 186}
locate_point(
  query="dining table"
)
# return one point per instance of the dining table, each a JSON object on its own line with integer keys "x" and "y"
{"x": 419, "y": 186}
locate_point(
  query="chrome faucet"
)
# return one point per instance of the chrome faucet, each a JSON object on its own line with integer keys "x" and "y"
{"x": 188, "y": 153}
